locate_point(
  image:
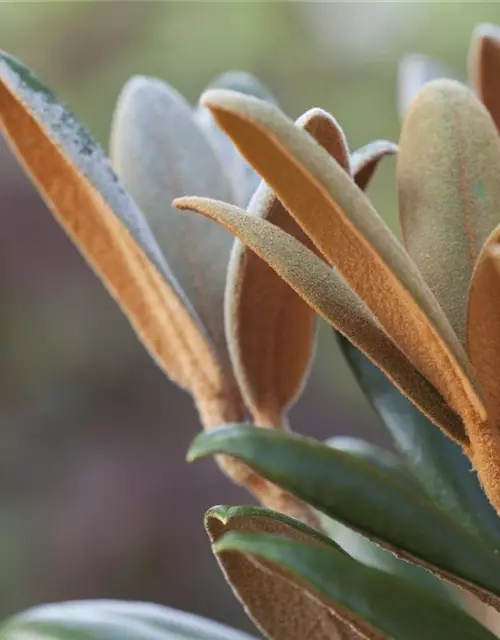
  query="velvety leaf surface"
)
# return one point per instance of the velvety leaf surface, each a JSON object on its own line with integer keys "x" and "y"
{"x": 75, "y": 178}
{"x": 448, "y": 189}
{"x": 243, "y": 178}
{"x": 160, "y": 153}
{"x": 326, "y": 292}
{"x": 484, "y": 67}
{"x": 112, "y": 620}
{"x": 340, "y": 220}
{"x": 270, "y": 329}
{"x": 280, "y": 609}
{"x": 484, "y": 349}
{"x": 439, "y": 464}
{"x": 366, "y": 499}
{"x": 364, "y": 161}
{"x": 393, "y": 607}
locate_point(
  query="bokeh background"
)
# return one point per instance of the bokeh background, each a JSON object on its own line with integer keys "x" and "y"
{"x": 96, "y": 499}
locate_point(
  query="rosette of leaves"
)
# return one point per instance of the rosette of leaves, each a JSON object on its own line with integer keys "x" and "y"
{"x": 419, "y": 332}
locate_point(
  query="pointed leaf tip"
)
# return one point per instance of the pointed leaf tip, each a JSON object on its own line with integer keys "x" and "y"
{"x": 327, "y": 293}
{"x": 385, "y": 509}
{"x": 75, "y": 178}
{"x": 345, "y": 228}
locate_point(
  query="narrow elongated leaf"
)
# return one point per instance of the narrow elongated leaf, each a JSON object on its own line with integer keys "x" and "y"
{"x": 270, "y": 329}
{"x": 392, "y": 607}
{"x": 372, "y": 454}
{"x": 360, "y": 547}
{"x": 484, "y": 67}
{"x": 112, "y": 620}
{"x": 449, "y": 188}
{"x": 484, "y": 349}
{"x": 364, "y": 161}
{"x": 160, "y": 153}
{"x": 243, "y": 178}
{"x": 439, "y": 464}
{"x": 279, "y": 608}
{"x": 340, "y": 220}
{"x": 77, "y": 182}
{"x": 415, "y": 71}
{"x": 325, "y": 291}
{"x": 373, "y": 503}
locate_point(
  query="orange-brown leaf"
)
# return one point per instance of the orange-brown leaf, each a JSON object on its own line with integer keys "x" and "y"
{"x": 340, "y": 220}
{"x": 328, "y": 294}
{"x": 484, "y": 67}
{"x": 270, "y": 330}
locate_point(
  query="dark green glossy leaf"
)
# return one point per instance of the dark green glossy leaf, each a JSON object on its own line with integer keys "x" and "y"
{"x": 279, "y": 608}
{"x": 393, "y": 607}
{"x": 112, "y": 620}
{"x": 368, "y": 500}
{"x": 360, "y": 547}
{"x": 374, "y": 455}
{"x": 439, "y": 464}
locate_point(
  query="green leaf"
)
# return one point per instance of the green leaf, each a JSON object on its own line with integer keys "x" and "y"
{"x": 360, "y": 547}
{"x": 280, "y": 609}
{"x": 160, "y": 153}
{"x": 75, "y": 178}
{"x": 112, "y": 620}
{"x": 374, "y": 455}
{"x": 370, "y": 501}
{"x": 392, "y": 607}
{"x": 439, "y": 464}
{"x": 241, "y": 175}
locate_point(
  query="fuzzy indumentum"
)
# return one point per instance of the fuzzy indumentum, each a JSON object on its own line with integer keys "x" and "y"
{"x": 352, "y": 541}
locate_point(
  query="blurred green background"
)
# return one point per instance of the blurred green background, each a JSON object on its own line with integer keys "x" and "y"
{"x": 96, "y": 498}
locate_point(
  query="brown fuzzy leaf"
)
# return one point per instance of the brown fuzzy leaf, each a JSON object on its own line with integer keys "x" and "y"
{"x": 449, "y": 189}
{"x": 72, "y": 174}
{"x": 484, "y": 67}
{"x": 280, "y": 608}
{"x": 270, "y": 329}
{"x": 364, "y": 161}
{"x": 483, "y": 341}
{"x": 340, "y": 220}
{"x": 328, "y": 294}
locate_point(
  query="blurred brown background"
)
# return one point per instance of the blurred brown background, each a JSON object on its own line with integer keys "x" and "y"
{"x": 96, "y": 499}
